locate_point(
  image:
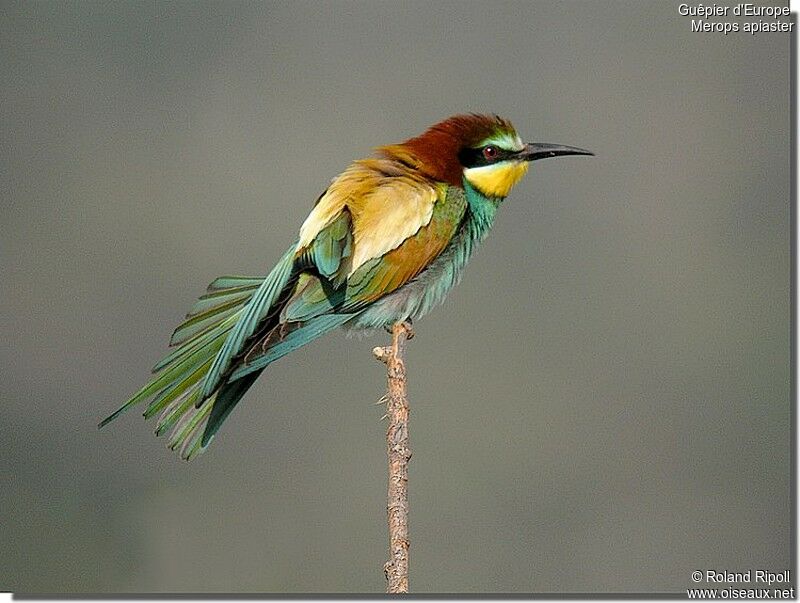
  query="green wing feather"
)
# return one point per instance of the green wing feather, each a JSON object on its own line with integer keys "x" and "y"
{"x": 242, "y": 324}
{"x": 317, "y": 305}
{"x": 257, "y": 308}
{"x": 332, "y": 248}
{"x": 313, "y": 296}
{"x": 298, "y": 336}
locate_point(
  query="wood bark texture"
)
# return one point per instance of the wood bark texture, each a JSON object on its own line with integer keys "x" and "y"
{"x": 399, "y": 453}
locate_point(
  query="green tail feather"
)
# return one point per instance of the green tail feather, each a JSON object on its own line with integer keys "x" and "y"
{"x": 226, "y": 399}
{"x": 172, "y": 373}
{"x": 177, "y": 389}
{"x": 217, "y": 298}
{"x": 176, "y": 409}
{"x": 216, "y": 332}
{"x": 205, "y": 343}
{"x": 186, "y": 434}
{"x": 197, "y": 324}
{"x": 181, "y": 371}
{"x": 231, "y": 282}
{"x": 257, "y": 308}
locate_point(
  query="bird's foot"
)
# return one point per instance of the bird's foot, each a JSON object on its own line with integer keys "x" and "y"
{"x": 408, "y": 326}
{"x": 383, "y": 353}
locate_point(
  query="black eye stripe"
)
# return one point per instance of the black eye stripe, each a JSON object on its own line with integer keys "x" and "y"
{"x": 474, "y": 157}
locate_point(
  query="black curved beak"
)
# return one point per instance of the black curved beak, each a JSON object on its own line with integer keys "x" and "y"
{"x": 543, "y": 150}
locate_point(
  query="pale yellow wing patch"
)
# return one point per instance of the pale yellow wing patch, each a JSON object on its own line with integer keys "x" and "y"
{"x": 386, "y": 202}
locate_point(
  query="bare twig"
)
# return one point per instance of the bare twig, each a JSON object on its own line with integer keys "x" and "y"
{"x": 399, "y": 453}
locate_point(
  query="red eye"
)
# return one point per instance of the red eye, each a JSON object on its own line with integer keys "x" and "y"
{"x": 489, "y": 152}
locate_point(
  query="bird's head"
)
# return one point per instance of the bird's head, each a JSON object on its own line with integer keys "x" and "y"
{"x": 484, "y": 150}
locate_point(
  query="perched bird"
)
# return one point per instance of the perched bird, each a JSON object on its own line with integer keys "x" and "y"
{"x": 384, "y": 243}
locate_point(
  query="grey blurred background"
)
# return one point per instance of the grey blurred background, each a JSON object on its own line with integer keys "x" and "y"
{"x": 601, "y": 406}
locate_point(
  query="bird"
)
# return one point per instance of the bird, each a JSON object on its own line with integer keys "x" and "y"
{"x": 384, "y": 243}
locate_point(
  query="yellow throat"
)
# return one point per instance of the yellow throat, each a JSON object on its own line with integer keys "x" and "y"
{"x": 498, "y": 179}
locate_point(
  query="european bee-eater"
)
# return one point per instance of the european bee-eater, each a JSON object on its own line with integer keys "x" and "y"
{"x": 384, "y": 243}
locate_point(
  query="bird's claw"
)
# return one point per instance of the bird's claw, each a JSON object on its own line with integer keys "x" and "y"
{"x": 407, "y": 325}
